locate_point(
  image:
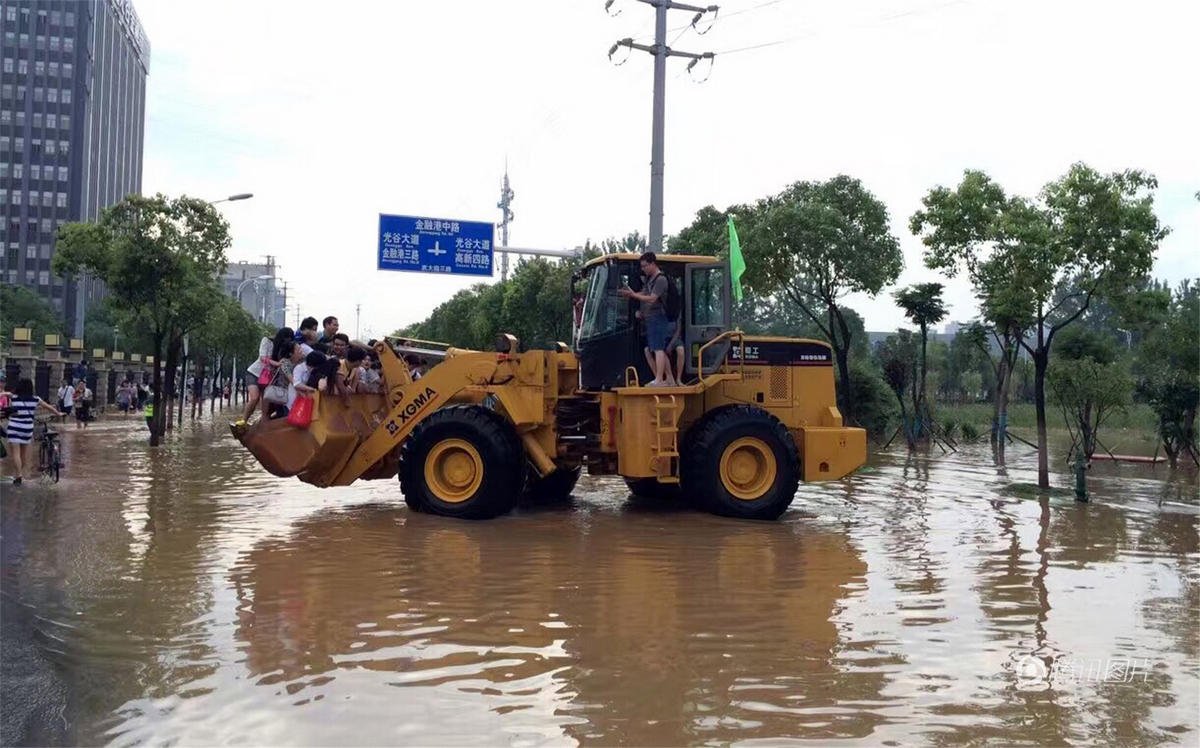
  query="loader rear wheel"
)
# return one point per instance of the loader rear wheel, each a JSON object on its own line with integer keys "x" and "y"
{"x": 553, "y": 488}
{"x": 741, "y": 462}
{"x": 463, "y": 461}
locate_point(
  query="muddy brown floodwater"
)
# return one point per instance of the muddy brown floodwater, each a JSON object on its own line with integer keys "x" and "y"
{"x": 183, "y": 596}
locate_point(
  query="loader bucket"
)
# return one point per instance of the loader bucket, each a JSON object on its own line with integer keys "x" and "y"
{"x": 318, "y": 453}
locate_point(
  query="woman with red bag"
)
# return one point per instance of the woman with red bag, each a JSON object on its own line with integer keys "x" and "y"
{"x": 260, "y": 373}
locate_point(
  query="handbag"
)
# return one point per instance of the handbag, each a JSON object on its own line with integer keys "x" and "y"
{"x": 300, "y": 415}
{"x": 264, "y": 377}
{"x": 276, "y": 393}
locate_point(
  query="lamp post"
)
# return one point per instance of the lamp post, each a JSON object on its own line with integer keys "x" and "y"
{"x": 232, "y": 198}
{"x": 238, "y": 297}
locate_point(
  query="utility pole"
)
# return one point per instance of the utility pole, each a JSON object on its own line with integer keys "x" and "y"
{"x": 357, "y": 329}
{"x": 661, "y": 52}
{"x": 505, "y": 204}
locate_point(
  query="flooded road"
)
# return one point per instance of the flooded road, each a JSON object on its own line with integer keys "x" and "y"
{"x": 184, "y": 596}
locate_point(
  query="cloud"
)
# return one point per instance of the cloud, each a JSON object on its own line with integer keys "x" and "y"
{"x": 332, "y": 114}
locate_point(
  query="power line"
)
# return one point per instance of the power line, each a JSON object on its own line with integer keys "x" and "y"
{"x": 876, "y": 21}
{"x": 717, "y": 16}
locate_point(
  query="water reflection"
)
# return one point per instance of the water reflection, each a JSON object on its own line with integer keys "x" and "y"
{"x": 698, "y": 635}
{"x": 187, "y": 597}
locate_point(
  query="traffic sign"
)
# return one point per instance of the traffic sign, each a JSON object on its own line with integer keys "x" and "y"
{"x": 435, "y": 245}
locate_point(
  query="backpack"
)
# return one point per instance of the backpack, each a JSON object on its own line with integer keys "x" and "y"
{"x": 671, "y": 303}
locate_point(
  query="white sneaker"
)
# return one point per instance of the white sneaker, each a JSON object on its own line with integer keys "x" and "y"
{"x": 653, "y": 383}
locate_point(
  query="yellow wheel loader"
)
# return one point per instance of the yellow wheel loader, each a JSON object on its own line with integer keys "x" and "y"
{"x": 483, "y": 430}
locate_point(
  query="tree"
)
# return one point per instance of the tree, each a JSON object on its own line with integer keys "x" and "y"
{"x": 228, "y": 332}
{"x": 814, "y": 243}
{"x": 20, "y": 307}
{"x": 159, "y": 258}
{"x": 1168, "y": 368}
{"x": 922, "y": 304}
{"x": 106, "y": 326}
{"x": 1096, "y": 230}
{"x": 897, "y": 357}
{"x": 1089, "y": 385}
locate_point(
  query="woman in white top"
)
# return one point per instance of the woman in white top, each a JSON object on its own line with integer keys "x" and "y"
{"x": 266, "y": 351}
{"x": 253, "y": 391}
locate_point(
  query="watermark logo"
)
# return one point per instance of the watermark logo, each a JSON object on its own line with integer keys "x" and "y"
{"x": 1032, "y": 672}
{"x": 1035, "y": 673}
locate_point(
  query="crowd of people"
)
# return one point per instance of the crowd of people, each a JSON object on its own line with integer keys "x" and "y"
{"x": 314, "y": 358}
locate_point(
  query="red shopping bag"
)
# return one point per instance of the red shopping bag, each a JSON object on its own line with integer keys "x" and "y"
{"x": 265, "y": 377}
{"x": 301, "y": 413}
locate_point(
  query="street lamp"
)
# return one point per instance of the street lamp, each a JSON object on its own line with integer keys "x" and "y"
{"x": 243, "y": 284}
{"x": 231, "y": 198}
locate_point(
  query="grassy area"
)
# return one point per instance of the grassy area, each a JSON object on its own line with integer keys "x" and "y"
{"x": 1132, "y": 431}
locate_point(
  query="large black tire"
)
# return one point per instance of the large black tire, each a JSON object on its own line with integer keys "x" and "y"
{"x": 477, "y": 468}
{"x": 740, "y": 461}
{"x": 552, "y": 489}
{"x": 650, "y": 488}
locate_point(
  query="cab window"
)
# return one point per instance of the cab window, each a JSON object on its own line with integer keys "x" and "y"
{"x": 708, "y": 296}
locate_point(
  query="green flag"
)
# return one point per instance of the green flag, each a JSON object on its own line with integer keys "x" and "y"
{"x": 737, "y": 265}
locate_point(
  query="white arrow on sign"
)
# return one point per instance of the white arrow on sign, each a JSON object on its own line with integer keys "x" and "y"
{"x": 437, "y": 250}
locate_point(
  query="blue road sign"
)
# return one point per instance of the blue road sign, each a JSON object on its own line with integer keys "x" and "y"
{"x": 435, "y": 245}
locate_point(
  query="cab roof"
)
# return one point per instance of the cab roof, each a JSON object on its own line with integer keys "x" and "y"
{"x": 686, "y": 259}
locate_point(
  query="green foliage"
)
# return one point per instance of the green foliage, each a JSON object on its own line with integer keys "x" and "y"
{"x": 1088, "y": 391}
{"x": 534, "y": 304}
{"x": 1168, "y": 370}
{"x": 806, "y": 247}
{"x": 966, "y": 367}
{"x": 228, "y": 331}
{"x": 159, "y": 258}
{"x": 708, "y": 233}
{"x": 1077, "y": 343}
{"x": 898, "y": 358}
{"x": 876, "y": 410}
{"x": 922, "y": 304}
{"x": 1096, "y": 231}
{"x": 20, "y": 307}
{"x": 969, "y": 432}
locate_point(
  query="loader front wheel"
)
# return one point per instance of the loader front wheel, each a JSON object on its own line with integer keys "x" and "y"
{"x": 463, "y": 461}
{"x": 554, "y": 488}
{"x": 741, "y": 462}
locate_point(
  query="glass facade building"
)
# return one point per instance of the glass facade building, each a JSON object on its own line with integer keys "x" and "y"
{"x": 72, "y": 126}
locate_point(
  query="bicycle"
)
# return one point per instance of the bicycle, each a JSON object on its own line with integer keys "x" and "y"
{"x": 49, "y": 452}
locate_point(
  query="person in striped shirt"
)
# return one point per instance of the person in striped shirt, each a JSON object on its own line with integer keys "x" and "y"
{"x": 23, "y": 407}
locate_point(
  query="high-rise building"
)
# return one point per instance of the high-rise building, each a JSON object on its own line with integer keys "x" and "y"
{"x": 72, "y": 122}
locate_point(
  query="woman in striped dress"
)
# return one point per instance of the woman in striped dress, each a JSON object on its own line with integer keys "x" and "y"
{"x": 20, "y": 423}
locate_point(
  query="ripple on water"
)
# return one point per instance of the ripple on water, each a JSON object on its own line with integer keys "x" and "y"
{"x": 193, "y": 598}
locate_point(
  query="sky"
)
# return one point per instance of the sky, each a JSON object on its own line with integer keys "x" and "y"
{"x": 334, "y": 112}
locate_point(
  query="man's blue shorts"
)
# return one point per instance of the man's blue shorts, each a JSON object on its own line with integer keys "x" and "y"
{"x": 658, "y": 333}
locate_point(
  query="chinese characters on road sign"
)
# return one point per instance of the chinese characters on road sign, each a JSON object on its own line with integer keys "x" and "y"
{"x": 435, "y": 245}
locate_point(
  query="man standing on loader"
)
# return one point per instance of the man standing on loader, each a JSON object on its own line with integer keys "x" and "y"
{"x": 654, "y": 315}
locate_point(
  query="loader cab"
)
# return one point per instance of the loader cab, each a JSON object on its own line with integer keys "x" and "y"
{"x": 610, "y": 338}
